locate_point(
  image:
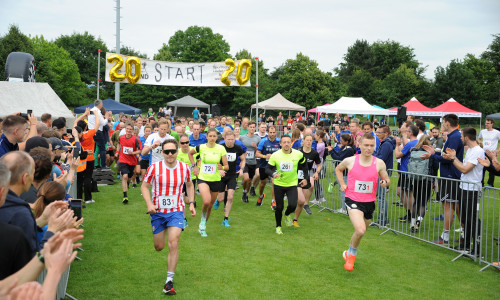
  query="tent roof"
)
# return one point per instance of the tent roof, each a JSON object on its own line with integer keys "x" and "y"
{"x": 188, "y": 101}
{"x": 314, "y": 110}
{"x": 493, "y": 116}
{"x": 37, "y": 96}
{"x": 112, "y": 105}
{"x": 278, "y": 102}
{"x": 453, "y": 107}
{"x": 350, "y": 105}
{"x": 414, "y": 107}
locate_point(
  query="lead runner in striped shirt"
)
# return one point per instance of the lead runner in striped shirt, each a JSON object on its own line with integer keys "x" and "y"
{"x": 166, "y": 208}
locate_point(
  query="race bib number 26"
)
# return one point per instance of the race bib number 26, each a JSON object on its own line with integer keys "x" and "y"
{"x": 365, "y": 187}
{"x": 286, "y": 166}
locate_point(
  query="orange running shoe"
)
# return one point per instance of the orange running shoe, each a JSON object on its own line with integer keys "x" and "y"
{"x": 349, "y": 261}
{"x": 273, "y": 205}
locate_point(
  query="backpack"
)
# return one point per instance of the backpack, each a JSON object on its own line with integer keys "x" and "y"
{"x": 417, "y": 165}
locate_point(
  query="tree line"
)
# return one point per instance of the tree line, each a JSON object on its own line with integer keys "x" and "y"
{"x": 385, "y": 73}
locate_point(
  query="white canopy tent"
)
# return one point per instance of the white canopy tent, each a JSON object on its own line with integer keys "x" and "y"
{"x": 350, "y": 105}
{"x": 187, "y": 104}
{"x": 37, "y": 96}
{"x": 278, "y": 102}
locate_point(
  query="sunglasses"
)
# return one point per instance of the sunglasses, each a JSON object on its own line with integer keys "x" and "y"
{"x": 170, "y": 151}
{"x": 184, "y": 143}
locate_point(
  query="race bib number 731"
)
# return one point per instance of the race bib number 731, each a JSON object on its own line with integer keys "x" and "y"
{"x": 363, "y": 187}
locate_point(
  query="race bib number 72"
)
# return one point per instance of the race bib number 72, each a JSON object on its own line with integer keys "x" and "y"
{"x": 208, "y": 168}
{"x": 363, "y": 187}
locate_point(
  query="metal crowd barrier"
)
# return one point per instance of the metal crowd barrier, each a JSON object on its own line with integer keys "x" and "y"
{"x": 61, "y": 287}
{"x": 412, "y": 206}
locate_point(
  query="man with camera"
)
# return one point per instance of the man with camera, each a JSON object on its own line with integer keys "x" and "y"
{"x": 14, "y": 129}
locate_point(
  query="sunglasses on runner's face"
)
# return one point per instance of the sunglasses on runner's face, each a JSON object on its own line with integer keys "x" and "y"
{"x": 184, "y": 143}
{"x": 169, "y": 151}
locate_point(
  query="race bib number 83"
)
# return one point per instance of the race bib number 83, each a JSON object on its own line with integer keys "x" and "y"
{"x": 168, "y": 202}
{"x": 363, "y": 187}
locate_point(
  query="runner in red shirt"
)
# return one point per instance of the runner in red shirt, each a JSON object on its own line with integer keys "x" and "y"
{"x": 289, "y": 122}
{"x": 167, "y": 178}
{"x": 129, "y": 148}
{"x": 361, "y": 191}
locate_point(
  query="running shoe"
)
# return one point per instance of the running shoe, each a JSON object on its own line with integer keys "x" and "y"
{"x": 278, "y": 230}
{"x": 440, "y": 218}
{"x": 225, "y": 223}
{"x": 349, "y": 261}
{"x": 203, "y": 224}
{"x": 216, "y": 204}
{"x": 185, "y": 223}
{"x": 289, "y": 220}
{"x": 273, "y": 205}
{"x": 440, "y": 241}
{"x": 307, "y": 209}
{"x": 244, "y": 198}
{"x": 90, "y": 201}
{"x": 203, "y": 232}
{"x": 168, "y": 289}
{"x": 261, "y": 198}
{"x": 252, "y": 191}
{"x": 295, "y": 223}
{"x": 134, "y": 185}
{"x": 125, "y": 200}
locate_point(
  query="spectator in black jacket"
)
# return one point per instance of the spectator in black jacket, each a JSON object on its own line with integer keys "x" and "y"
{"x": 346, "y": 150}
{"x": 386, "y": 153}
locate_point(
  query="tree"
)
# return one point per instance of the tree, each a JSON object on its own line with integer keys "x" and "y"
{"x": 493, "y": 53}
{"x": 14, "y": 41}
{"x": 301, "y": 81}
{"x": 402, "y": 84}
{"x": 56, "y": 67}
{"x": 83, "y": 48}
{"x": 360, "y": 83}
{"x": 358, "y": 57}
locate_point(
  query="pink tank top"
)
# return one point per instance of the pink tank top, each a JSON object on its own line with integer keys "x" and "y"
{"x": 362, "y": 181}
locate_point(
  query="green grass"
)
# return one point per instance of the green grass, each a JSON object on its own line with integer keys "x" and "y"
{"x": 250, "y": 261}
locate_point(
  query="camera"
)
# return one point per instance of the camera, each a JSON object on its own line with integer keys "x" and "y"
{"x": 76, "y": 206}
{"x": 29, "y": 112}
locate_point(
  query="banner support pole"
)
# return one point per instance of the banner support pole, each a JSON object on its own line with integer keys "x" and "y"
{"x": 257, "y": 91}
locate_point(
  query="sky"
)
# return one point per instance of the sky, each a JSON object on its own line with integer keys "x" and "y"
{"x": 438, "y": 30}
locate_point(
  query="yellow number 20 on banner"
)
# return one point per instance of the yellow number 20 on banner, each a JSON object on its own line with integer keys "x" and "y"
{"x": 115, "y": 76}
{"x": 241, "y": 80}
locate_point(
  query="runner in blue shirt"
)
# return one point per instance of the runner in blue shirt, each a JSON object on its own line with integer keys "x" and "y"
{"x": 266, "y": 147}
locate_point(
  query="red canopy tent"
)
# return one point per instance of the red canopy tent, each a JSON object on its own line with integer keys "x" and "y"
{"x": 414, "y": 107}
{"x": 453, "y": 107}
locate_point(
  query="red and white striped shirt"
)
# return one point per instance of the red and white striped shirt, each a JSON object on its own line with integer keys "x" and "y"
{"x": 167, "y": 184}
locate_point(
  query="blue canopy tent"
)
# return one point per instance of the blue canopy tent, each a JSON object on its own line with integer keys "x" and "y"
{"x": 112, "y": 105}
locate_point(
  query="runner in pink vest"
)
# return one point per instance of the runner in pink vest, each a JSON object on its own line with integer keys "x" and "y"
{"x": 363, "y": 174}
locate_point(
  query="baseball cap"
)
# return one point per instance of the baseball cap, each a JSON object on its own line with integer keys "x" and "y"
{"x": 57, "y": 144}
{"x": 36, "y": 141}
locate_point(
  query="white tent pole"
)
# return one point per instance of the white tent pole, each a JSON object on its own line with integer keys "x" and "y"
{"x": 256, "y": 92}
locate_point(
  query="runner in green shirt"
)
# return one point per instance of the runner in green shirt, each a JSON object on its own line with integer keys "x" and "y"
{"x": 209, "y": 174}
{"x": 183, "y": 155}
{"x": 283, "y": 166}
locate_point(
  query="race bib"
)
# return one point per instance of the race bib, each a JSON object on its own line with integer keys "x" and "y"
{"x": 487, "y": 144}
{"x": 250, "y": 154}
{"x": 157, "y": 150}
{"x": 128, "y": 150}
{"x": 286, "y": 166}
{"x": 231, "y": 157}
{"x": 300, "y": 174}
{"x": 167, "y": 202}
{"x": 363, "y": 187}
{"x": 208, "y": 168}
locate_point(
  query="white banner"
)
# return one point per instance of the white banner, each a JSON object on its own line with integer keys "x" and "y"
{"x": 122, "y": 68}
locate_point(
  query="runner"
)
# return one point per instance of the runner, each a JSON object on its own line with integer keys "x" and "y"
{"x": 283, "y": 166}
{"x": 305, "y": 192}
{"x": 128, "y": 148}
{"x": 209, "y": 175}
{"x": 167, "y": 178}
{"x": 144, "y": 159}
{"x": 250, "y": 140}
{"x": 183, "y": 156}
{"x": 361, "y": 191}
{"x": 266, "y": 147}
{"x": 153, "y": 142}
{"x": 228, "y": 182}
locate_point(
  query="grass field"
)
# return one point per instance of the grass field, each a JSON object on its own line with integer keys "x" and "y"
{"x": 249, "y": 261}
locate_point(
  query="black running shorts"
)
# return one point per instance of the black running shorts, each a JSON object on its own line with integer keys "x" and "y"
{"x": 366, "y": 207}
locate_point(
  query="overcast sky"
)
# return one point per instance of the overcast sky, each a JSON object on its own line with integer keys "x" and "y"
{"x": 275, "y": 31}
